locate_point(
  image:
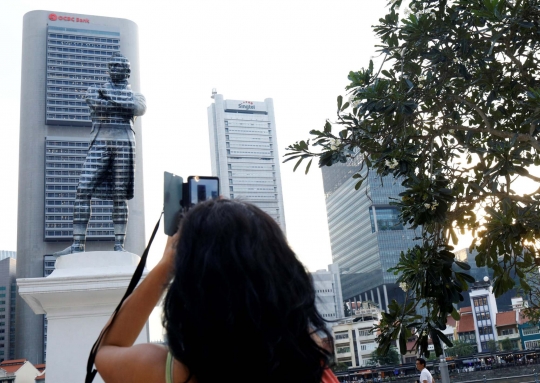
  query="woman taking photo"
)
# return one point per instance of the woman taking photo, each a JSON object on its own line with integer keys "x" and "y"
{"x": 239, "y": 307}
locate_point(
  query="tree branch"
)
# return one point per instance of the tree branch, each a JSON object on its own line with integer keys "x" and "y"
{"x": 476, "y": 108}
{"x": 515, "y": 60}
{"x": 498, "y": 133}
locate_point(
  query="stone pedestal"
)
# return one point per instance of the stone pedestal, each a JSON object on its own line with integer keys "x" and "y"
{"x": 78, "y": 299}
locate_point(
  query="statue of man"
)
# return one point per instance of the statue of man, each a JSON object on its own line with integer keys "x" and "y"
{"x": 109, "y": 169}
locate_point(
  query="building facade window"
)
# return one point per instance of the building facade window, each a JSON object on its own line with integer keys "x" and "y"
{"x": 480, "y": 301}
{"x": 343, "y": 350}
{"x": 75, "y": 62}
{"x": 531, "y": 331}
{"x": 384, "y": 218}
{"x": 364, "y": 332}
{"x": 532, "y": 344}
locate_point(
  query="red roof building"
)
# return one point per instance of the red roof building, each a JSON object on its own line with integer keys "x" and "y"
{"x": 465, "y": 326}
{"x": 20, "y": 370}
{"x": 507, "y": 328}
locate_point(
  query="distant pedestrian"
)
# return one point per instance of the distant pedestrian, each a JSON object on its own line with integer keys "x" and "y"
{"x": 425, "y": 375}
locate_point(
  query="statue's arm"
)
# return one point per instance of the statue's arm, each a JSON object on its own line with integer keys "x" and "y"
{"x": 139, "y": 104}
{"x": 94, "y": 98}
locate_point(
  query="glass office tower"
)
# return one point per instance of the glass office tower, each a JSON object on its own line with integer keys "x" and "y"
{"x": 243, "y": 150}
{"x": 366, "y": 234}
{"x": 62, "y": 55}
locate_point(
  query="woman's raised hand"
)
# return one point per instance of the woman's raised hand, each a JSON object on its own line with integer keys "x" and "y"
{"x": 170, "y": 252}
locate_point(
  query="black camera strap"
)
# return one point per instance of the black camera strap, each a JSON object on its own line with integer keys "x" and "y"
{"x": 90, "y": 370}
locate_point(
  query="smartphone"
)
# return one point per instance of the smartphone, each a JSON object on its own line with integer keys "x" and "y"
{"x": 201, "y": 189}
{"x": 172, "y": 202}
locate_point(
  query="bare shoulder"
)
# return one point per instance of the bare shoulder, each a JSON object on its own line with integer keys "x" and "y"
{"x": 139, "y": 363}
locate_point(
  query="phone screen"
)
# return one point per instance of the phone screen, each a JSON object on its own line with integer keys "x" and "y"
{"x": 202, "y": 189}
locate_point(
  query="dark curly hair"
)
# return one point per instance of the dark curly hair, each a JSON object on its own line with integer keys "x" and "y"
{"x": 241, "y": 306}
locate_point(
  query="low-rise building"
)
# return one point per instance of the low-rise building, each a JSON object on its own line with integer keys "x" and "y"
{"x": 507, "y": 328}
{"x": 465, "y": 329}
{"x": 484, "y": 313}
{"x": 41, "y": 377}
{"x": 530, "y": 335}
{"x": 354, "y": 336}
{"x": 18, "y": 371}
{"x": 328, "y": 296}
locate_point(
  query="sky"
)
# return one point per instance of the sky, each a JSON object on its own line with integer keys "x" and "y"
{"x": 296, "y": 52}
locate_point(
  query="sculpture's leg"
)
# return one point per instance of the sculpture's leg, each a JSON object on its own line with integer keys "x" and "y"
{"x": 123, "y": 172}
{"x": 90, "y": 176}
{"x": 120, "y": 218}
{"x": 81, "y": 216}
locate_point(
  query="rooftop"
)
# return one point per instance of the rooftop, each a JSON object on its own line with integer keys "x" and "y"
{"x": 12, "y": 366}
{"x": 467, "y": 309}
{"x": 12, "y": 362}
{"x": 466, "y": 323}
{"x": 506, "y": 318}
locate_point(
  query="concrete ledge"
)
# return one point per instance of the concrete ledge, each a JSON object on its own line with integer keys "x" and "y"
{"x": 78, "y": 298}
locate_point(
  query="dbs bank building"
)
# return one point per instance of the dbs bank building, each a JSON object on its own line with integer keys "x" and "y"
{"x": 62, "y": 55}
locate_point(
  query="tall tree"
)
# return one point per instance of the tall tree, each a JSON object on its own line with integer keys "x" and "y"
{"x": 390, "y": 358}
{"x": 453, "y": 112}
{"x": 492, "y": 346}
{"x": 460, "y": 349}
{"x": 506, "y": 344}
{"x": 339, "y": 366}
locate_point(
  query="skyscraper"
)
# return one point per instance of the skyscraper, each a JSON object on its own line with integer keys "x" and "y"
{"x": 243, "y": 150}
{"x": 366, "y": 234}
{"x": 7, "y": 308}
{"x": 63, "y": 54}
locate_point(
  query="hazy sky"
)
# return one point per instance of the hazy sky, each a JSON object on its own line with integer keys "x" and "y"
{"x": 297, "y": 52}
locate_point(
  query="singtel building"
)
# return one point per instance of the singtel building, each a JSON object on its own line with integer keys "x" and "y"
{"x": 62, "y": 55}
{"x": 243, "y": 150}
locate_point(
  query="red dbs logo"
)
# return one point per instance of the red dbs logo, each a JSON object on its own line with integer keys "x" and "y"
{"x": 52, "y": 17}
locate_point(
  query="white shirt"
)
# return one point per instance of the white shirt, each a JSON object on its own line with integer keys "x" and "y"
{"x": 425, "y": 375}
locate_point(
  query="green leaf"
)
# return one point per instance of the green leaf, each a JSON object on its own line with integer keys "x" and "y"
{"x": 403, "y": 341}
{"x": 308, "y": 166}
{"x": 463, "y": 265}
{"x": 298, "y": 164}
{"x": 492, "y": 212}
{"x": 466, "y": 277}
{"x": 387, "y": 74}
{"x": 292, "y": 157}
{"x": 455, "y": 314}
{"x": 444, "y": 338}
{"x": 453, "y": 236}
{"x": 327, "y": 127}
{"x": 358, "y": 184}
{"x": 339, "y": 102}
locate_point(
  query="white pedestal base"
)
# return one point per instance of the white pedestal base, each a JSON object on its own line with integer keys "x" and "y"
{"x": 78, "y": 298}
